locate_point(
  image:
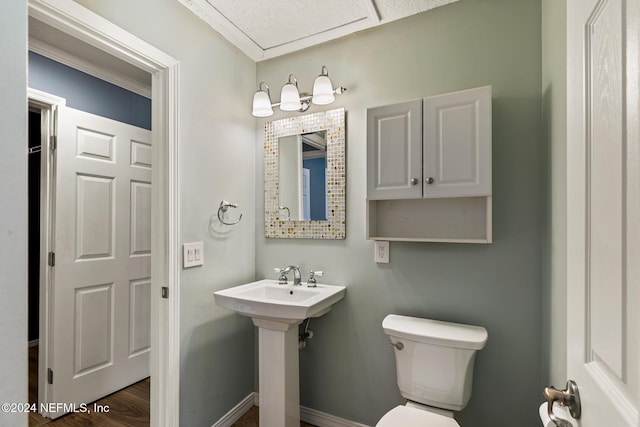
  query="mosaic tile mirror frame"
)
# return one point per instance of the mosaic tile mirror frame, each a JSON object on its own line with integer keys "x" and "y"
{"x": 334, "y": 227}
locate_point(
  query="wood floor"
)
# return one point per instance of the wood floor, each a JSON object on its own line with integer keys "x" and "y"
{"x": 128, "y": 407}
{"x": 251, "y": 419}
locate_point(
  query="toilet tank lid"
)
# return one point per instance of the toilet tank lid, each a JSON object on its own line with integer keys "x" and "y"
{"x": 435, "y": 332}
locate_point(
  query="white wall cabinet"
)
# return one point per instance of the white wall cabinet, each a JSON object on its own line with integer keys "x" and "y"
{"x": 394, "y": 151}
{"x": 429, "y": 169}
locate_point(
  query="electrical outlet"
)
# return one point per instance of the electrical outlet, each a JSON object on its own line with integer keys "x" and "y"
{"x": 381, "y": 254}
{"x": 193, "y": 254}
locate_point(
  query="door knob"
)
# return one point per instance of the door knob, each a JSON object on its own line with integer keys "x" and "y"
{"x": 429, "y": 180}
{"x": 414, "y": 181}
{"x": 569, "y": 397}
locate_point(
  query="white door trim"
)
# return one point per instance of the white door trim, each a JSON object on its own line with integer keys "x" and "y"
{"x": 81, "y": 23}
{"x": 48, "y": 105}
{"x": 44, "y": 99}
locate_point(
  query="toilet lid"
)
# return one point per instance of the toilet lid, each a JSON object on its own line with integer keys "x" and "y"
{"x": 412, "y": 417}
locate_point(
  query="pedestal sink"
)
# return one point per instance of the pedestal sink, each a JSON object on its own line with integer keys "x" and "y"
{"x": 277, "y": 310}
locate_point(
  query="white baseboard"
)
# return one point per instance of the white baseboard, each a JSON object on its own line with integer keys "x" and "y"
{"x": 322, "y": 419}
{"x": 236, "y": 412}
{"x": 308, "y": 415}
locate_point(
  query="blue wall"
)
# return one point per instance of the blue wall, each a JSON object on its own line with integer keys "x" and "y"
{"x": 87, "y": 93}
{"x": 318, "y": 210}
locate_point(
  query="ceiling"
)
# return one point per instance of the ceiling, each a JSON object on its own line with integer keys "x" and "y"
{"x": 264, "y": 29}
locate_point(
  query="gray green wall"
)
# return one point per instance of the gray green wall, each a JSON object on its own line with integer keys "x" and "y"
{"x": 554, "y": 102}
{"x": 13, "y": 208}
{"x": 348, "y": 368}
{"x": 216, "y": 161}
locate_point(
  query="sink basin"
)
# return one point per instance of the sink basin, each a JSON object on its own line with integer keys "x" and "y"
{"x": 266, "y": 299}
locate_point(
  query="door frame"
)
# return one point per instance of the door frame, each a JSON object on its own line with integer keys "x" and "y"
{"x": 85, "y": 25}
{"x": 48, "y": 106}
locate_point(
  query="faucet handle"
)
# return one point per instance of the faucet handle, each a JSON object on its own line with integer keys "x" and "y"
{"x": 282, "y": 280}
{"x": 312, "y": 283}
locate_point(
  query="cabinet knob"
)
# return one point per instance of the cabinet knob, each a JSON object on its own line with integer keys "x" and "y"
{"x": 429, "y": 180}
{"x": 414, "y": 181}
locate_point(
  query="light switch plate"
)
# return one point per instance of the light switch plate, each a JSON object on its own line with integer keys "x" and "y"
{"x": 381, "y": 254}
{"x": 192, "y": 254}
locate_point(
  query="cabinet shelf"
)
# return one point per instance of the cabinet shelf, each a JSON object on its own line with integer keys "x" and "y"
{"x": 446, "y": 220}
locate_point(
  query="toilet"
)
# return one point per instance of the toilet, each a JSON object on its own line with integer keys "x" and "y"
{"x": 434, "y": 364}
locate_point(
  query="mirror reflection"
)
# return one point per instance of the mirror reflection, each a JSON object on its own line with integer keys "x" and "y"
{"x": 302, "y": 168}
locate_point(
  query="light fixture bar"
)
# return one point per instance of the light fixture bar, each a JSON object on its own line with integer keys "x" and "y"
{"x": 306, "y": 98}
{"x": 323, "y": 94}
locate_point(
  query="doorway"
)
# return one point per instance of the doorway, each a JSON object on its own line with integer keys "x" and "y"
{"x": 75, "y": 21}
{"x": 96, "y": 296}
{"x": 33, "y": 272}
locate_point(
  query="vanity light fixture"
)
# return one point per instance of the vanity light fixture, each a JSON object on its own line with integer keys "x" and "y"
{"x": 323, "y": 89}
{"x": 262, "y": 102}
{"x": 291, "y": 99}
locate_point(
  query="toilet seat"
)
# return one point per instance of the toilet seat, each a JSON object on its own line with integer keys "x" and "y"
{"x": 411, "y": 417}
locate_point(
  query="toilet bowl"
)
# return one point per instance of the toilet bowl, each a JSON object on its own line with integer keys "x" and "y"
{"x": 407, "y": 416}
{"x": 434, "y": 367}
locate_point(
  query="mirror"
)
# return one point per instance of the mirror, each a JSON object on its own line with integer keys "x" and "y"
{"x": 302, "y": 171}
{"x": 305, "y": 176}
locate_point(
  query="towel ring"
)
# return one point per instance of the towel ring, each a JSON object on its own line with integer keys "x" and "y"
{"x": 288, "y": 211}
{"x": 224, "y": 206}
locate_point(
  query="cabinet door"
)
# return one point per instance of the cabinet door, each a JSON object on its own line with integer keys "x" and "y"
{"x": 457, "y": 144}
{"x": 394, "y": 151}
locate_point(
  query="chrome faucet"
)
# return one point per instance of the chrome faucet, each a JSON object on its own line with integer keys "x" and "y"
{"x": 312, "y": 282}
{"x": 297, "y": 278}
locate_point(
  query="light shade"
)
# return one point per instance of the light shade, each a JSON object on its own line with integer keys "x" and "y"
{"x": 262, "y": 102}
{"x": 290, "y": 97}
{"x": 323, "y": 89}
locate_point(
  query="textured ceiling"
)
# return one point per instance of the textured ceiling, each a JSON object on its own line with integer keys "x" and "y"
{"x": 276, "y": 22}
{"x": 267, "y": 28}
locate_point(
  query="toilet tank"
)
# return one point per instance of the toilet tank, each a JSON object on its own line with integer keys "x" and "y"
{"x": 435, "y": 365}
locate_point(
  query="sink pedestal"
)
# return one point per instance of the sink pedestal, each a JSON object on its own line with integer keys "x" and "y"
{"x": 278, "y": 373}
{"x": 277, "y": 311}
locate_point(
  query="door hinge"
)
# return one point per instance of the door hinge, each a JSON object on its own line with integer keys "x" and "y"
{"x": 165, "y": 292}
{"x": 54, "y": 142}
{"x": 49, "y": 376}
{"x": 52, "y": 259}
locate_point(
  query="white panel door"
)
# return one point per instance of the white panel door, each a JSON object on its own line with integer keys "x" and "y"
{"x": 100, "y": 316}
{"x": 603, "y": 230}
{"x": 394, "y": 151}
{"x": 457, "y": 144}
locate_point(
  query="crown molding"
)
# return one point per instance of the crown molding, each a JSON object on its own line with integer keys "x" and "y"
{"x": 70, "y": 60}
